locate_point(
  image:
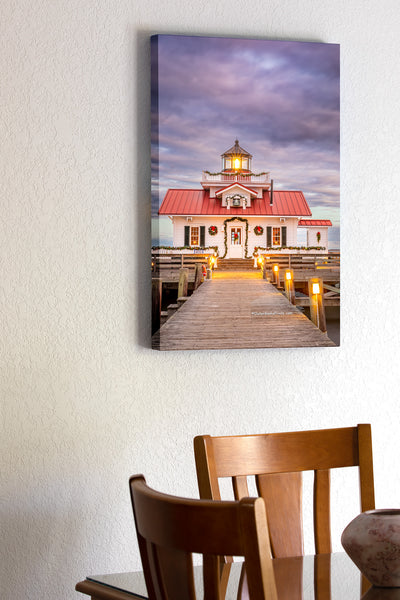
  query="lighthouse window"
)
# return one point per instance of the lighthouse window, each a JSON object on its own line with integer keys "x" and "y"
{"x": 228, "y": 163}
{"x": 195, "y": 236}
{"x": 276, "y": 236}
{"x": 236, "y": 163}
{"x": 245, "y": 163}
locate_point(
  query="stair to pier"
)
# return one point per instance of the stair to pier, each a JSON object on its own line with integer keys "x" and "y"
{"x": 235, "y": 264}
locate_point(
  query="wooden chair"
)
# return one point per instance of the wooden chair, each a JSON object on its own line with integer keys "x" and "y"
{"x": 170, "y": 528}
{"x": 276, "y": 460}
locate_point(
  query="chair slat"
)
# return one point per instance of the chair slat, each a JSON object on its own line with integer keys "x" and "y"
{"x": 175, "y": 573}
{"x": 211, "y": 578}
{"x": 240, "y": 487}
{"x": 282, "y": 493}
{"x": 322, "y": 517}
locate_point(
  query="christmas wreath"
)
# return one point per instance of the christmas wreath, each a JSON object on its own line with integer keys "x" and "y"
{"x": 213, "y": 230}
{"x": 258, "y": 230}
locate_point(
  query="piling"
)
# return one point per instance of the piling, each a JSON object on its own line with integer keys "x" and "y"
{"x": 183, "y": 282}
{"x": 289, "y": 286}
{"x": 317, "y": 308}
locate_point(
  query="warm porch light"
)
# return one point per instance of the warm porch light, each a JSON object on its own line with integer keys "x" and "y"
{"x": 260, "y": 260}
{"x": 315, "y": 288}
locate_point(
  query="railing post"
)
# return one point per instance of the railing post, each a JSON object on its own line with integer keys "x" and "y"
{"x": 183, "y": 282}
{"x": 197, "y": 275}
{"x": 289, "y": 286}
{"x": 264, "y": 268}
{"x": 156, "y": 295}
{"x": 317, "y": 308}
{"x": 275, "y": 271}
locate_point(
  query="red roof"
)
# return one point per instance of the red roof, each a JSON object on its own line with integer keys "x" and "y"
{"x": 315, "y": 223}
{"x": 198, "y": 202}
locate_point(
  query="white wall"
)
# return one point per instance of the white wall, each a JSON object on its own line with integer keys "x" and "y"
{"x": 85, "y": 403}
{"x": 312, "y": 239}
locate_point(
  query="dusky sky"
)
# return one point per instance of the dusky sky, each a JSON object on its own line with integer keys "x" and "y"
{"x": 280, "y": 99}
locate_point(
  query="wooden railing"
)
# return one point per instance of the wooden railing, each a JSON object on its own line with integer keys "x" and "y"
{"x": 306, "y": 265}
{"x": 261, "y": 178}
{"x": 167, "y": 266}
{"x": 327, "y": 266}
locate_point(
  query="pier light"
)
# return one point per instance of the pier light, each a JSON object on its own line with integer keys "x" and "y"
{"x": 276, "y": 268}
{"x": 316, "y": 288}
{"x": 260, "y": 260}
{"x": 288, "y": 276}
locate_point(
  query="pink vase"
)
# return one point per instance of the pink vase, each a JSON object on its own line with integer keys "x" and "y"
{"x": 372, "y": 540}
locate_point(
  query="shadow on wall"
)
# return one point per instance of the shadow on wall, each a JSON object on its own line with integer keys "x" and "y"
{"x": 140, "y": 238}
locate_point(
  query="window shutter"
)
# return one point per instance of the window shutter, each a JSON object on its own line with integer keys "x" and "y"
{"x": 187, "y": 235}
{"x": 202, "y": 235}
{"x": 269, "y": 237}
{"x": 284, "y": 229}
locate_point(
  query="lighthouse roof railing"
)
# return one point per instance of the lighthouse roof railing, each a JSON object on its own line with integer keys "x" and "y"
{"x": 245, "y": 178}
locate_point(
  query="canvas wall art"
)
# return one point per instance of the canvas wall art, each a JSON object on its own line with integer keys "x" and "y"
{"x": 245, "y": 193}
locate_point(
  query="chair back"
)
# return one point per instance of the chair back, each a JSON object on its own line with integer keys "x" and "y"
{"x": 169, "y": 529}
{"x": 277, "y": 460}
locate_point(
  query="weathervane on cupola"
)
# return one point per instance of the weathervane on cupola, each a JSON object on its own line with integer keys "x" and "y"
{"x": 236, "y": 159}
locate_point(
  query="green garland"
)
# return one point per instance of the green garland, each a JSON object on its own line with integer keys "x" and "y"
{"x": 238, "y": 173}
{"x": 279, "y": 248}
{"x": 246, "y": 245}
{"x": 215, "y": 248}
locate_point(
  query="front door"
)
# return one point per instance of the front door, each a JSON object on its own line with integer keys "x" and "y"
{"x": 235, "y": 239}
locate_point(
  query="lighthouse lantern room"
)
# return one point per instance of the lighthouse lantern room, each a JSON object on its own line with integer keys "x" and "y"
{"x": 236, "y": 159}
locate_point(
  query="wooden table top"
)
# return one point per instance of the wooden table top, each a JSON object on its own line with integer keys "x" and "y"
{"x": 320, "y": 577}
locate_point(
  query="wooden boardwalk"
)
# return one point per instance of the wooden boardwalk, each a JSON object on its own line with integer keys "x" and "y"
{"x": 238, "y": 310}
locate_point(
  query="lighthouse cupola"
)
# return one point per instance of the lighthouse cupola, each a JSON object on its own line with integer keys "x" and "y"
{"x": 236, "y": 159}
